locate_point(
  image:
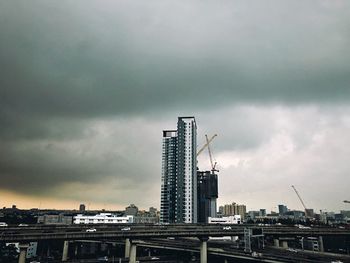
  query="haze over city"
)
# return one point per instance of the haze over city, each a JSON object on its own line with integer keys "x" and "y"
{"x": 86, "y": 89}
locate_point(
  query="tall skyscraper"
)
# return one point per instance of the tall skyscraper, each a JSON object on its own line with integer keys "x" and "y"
{"x": 179, "y": 173}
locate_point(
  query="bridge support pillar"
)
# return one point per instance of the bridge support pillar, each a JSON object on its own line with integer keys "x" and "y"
{"x": 22, "y": 253}
{"x": 65, "y": 250}
{"x": 127, "y": 247}
{"x": 132, "y": 257}
{"x": 76, "y": 249}
{"x": 276, "y": 242}
{"x": 284, "y": 244}
{"x": 204, "y": 250}
{"x": 320, "y": 244}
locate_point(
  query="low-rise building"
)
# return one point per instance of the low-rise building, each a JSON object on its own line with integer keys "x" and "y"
{"x": 103, "y": 218}
{"x": 60, "y": 219}
{"x": 235, "y": 219}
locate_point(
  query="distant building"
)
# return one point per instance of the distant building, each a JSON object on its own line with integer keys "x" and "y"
{"x": 282, "y": 209}
{"x": 253, "y": 214}
{"x": 295, "y": 214}
{"x": 103, "y": 218}
{"x": 221, "y": 210}
{"x": 236, "y": 219}
{"x": 207, "y": 191}
{"x": 262, "y": 212}
{"x": 147, "y": 217}
{"x": 82, "y": 208}
{"x": 153, "y": 211}
{"x": 309, "y": 212}
{"x": 178, "y": 202}
{"x": 143, "y": 219}
{"x": 235, "y": 209}
{"x": 131, "y": 210}
{"x": 346, "y": 213}
{"x": 59, "y": 219}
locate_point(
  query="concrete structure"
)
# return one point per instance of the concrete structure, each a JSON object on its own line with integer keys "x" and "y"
{"x": 82, "y": 208}
{"x": 146, "y": 219}
{"x": 60, "y": 219}
{"x": 31, "y": 248}
{"x": 65, "y": 251}
{"x": 262, "y": 212}
{"x": 235, "y": 209}
{"x": 131, "y": 210}
{"x": 204, "y": 250}
{"x": 22, "y": 252}
{"x": 309, "y": 212}
{"x": 253, "y": 214}
{"x": 179, "y": 173}
{"x": 282, "y": 209}
{"x": 236, "y": 219}
{"x": 207, "y": 191}
{"x": 103, "y": 218}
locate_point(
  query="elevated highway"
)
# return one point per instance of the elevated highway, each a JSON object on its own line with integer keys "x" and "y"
{"x": 113, "y": 232}
{"x": 133, "y": 233}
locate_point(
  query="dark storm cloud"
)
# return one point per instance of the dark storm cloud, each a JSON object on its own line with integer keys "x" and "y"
{"x": 66, "y": 65}
{"x": 93, "y": 58}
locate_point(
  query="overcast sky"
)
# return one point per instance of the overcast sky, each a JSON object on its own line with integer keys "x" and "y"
{"x": 86, "y": 88}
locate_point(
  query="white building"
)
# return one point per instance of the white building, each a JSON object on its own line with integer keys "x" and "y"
{"x": 103, "y": 218}
{"x": 236, "y": 219}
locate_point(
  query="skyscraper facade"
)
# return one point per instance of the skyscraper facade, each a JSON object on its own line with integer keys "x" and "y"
{"x": 179, "y": 176}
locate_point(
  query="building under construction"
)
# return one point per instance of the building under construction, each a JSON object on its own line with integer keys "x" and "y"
{"x": 207, "y": 194}
{"x": 207, "y": 187}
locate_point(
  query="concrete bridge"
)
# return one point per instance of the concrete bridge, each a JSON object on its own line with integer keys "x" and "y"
{"x": 132, "y": 232}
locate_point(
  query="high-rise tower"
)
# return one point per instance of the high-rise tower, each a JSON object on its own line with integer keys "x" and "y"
{"x": 179, "y": 175}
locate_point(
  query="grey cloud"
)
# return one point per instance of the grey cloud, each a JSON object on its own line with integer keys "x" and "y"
{"x": 118, "y": 57}
{"x": 70, "y": 69}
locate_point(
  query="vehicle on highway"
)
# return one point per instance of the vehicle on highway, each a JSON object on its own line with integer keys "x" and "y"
{"x": 226, "y": 228}
{"x": 126, "y": 229}
{"x": 3, "y": 224}
{"x": 154, "y": 258}
{"x": 23, "y": 225}
{"x": 292, "y": 250}
{"x": 102, "y": 259}
{"x": 302, "y": 226}
{"x": 91, "y": 230}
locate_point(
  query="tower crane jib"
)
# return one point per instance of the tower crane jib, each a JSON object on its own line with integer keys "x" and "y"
{"x": 301, "y": 200}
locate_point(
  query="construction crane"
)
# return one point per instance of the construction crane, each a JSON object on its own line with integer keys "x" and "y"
{"x": 211, "y": 156}
{"x": 207, "y": 144}
{"x": 346, "y": 201}
{"x": 301, "y": 200}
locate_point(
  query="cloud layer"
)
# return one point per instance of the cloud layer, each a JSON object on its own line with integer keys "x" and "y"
{"x": 87, "y": 87}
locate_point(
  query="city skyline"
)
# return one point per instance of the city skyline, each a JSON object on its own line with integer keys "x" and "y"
{"x": 87, "y": 88}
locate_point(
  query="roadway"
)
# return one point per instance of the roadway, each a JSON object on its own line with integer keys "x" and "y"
{"x": 141, "y": 231}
